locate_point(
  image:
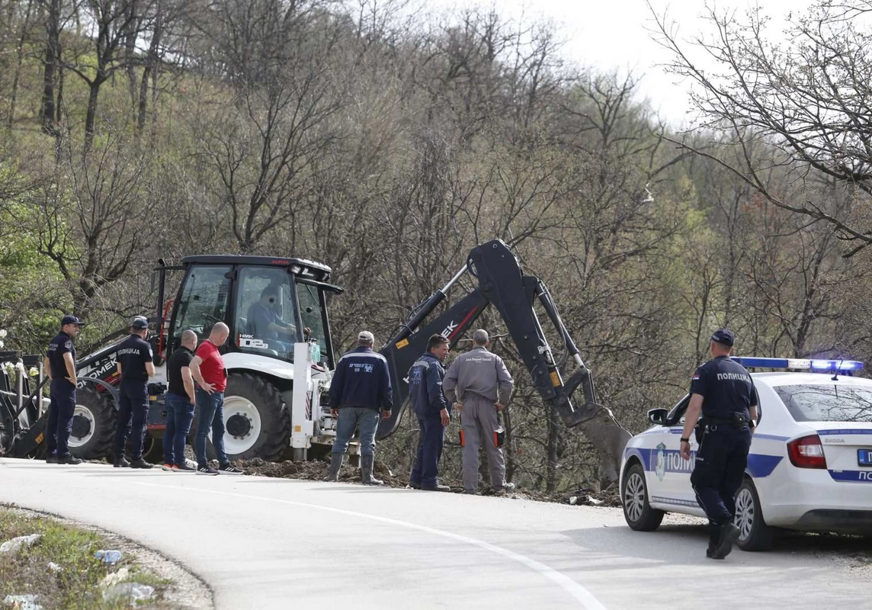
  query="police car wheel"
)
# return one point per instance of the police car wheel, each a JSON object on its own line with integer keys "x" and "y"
{"x": 93, "y": 424}
{"x": 754, "y": 534}
{"x": 634, "y": 497}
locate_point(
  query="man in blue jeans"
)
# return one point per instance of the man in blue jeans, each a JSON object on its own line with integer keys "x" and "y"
{"x": 180, "y": 401}
{"x": 207, "y": 368}
{"x": 361, "y": 387}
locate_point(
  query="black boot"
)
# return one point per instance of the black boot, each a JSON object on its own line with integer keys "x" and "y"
{"x": 122, "y": 462}
{"x": 728, "y": 535}
{"x": 366, "y": 462}
{"x": 335, "y": 464}
{"x": 141, "y": 463}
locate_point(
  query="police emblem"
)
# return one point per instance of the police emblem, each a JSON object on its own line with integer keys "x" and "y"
{"x": 660, "y": 469}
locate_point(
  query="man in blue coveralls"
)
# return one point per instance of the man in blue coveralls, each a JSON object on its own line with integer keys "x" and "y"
{"x": 60, "y": 365}
{"x": 433, "y": 412}
{"x": 266, "y": 323}
{"x": 723, "y": 392}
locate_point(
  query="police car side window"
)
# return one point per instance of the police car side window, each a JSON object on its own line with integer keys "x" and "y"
{"x": 676, "y": 415}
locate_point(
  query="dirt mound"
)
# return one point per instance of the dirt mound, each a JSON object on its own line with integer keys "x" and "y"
{"x": 317, "y": 471}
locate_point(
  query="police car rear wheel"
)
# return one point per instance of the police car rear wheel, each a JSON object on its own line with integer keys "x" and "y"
{"x": 634, "y": 494}
{"x": 93, "y": 424}
{"x": 754, "y": 534}
{"x": 257, "y": 421}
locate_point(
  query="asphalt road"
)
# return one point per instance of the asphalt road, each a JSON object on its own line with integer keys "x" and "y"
{"x": 276, "y": 543}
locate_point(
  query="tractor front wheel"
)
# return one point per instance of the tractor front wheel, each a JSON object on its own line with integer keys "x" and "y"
{"x": 257, "y": 422}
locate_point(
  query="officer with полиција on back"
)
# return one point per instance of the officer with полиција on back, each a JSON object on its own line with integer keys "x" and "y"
{"x": 722, "y": 390}
{"x": 134, "y": 361}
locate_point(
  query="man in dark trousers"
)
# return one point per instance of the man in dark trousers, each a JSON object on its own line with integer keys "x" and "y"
{"x": 180, "y": 401}
{"x": 433, "y": 412}
{"x": 361, "y": 387}
{"x": 722, "y": 391}
{"x": 135, "y": 366}
{"x": 60, "y": 365}
{"x": 207, "y": 368}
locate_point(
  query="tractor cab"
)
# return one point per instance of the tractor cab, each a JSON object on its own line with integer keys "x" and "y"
{"x": 268, "y": 303}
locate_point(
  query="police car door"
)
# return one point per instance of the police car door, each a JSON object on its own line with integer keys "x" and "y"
{"x": 671, "y": 473}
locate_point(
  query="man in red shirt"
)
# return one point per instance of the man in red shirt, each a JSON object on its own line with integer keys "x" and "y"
{"x": 207, "y": 369}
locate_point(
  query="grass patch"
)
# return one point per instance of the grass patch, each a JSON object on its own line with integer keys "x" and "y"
{"x": 77, "y": 585}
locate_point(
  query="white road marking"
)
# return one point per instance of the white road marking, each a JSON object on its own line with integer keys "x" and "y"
{"x": 577, "y": 591}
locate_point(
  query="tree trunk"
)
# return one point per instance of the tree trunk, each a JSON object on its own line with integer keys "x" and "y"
{"x": 51, "y": 62}
{"x": 91, "y": 117}
{"x": 552, "y": 449}
{"x": 150, "y": 72}
{"x": 19, "y": 52}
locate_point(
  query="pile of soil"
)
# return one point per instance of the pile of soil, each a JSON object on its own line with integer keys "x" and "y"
{"x": 317, "y": 471}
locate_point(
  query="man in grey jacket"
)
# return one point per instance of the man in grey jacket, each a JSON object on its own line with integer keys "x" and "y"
{"x": 480, "y": 385}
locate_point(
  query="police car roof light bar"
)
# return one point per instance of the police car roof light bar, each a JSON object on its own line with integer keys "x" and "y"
{"x": 799, "y": 364}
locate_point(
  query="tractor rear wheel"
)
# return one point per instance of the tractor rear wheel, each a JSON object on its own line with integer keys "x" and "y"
{"x": 93, "y": 424}
{"x": 257, "y": 422}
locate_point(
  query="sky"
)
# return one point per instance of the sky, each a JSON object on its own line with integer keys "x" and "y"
{"x": 614, "y": 34}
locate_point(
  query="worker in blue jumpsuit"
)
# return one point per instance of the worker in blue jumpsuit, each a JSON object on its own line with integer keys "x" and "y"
{"x": 722, "y": 391}
{"x": 433, "y": 411}
{"x": 60, "y": 365}
{"x": 134, "y": 362}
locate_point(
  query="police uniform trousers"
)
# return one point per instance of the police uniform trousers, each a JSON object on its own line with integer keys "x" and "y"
{"x": 60, "y": 417}
{"x": 719, "y": 470}
{"x": 432, "y": 440}
{"x": 479, "y": 420}
{"x": 133, "y": 405}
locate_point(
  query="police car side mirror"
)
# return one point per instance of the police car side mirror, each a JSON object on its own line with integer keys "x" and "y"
{"x": 658, "y": 416}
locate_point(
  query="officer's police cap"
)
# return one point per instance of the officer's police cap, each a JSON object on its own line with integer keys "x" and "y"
{"x": 724, "y": 337}
{"x": 139, "y": 323}
{"x": 68, "y": 319}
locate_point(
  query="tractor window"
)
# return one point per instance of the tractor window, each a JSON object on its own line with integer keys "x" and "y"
{"x": 203, "y": 300}
{"x": 313, "y": 316}
{"x": 265, "y": 312}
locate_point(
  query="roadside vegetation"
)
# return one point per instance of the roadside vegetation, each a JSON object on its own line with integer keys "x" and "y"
{"x": 60, "y": 569}
{"x": 387, "y": 141}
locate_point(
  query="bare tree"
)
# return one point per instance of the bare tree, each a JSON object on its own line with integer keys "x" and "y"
{"x": 809, "y": 98}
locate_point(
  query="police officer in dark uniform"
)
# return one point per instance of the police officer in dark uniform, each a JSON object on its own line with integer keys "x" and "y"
{"x": 135, "y": 366}
{"x": 722, "y": 391}
{"x": 60, "y": 363}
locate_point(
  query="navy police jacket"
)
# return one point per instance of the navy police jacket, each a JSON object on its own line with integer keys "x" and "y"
{"x": 725, "y": 387}
{"x": 361, "y": 379}
{"x": 425, "y": 387}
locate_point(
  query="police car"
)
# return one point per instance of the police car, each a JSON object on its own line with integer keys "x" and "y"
{"x": 810, "y": 464}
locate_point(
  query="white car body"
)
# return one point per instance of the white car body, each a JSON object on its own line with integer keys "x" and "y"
{"x": 835, "y": 498}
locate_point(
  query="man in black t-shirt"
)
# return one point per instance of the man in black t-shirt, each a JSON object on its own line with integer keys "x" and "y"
{"x": 60, "y": 364}
{"x": 135, "y": 366}
{"x": 722, "y": 391}
{"x": 180, "y": 401}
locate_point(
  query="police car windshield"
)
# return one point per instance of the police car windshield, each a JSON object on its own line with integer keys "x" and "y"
{"x": 827, "y": 402}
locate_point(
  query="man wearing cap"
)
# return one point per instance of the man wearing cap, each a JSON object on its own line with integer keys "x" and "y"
{"x": 722, "y": 391}
{"x": 361, "y": 387}
{"x": 135, "y": 366}
{"x": 479, "y": 384}
{"x": 60, "y": 364}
